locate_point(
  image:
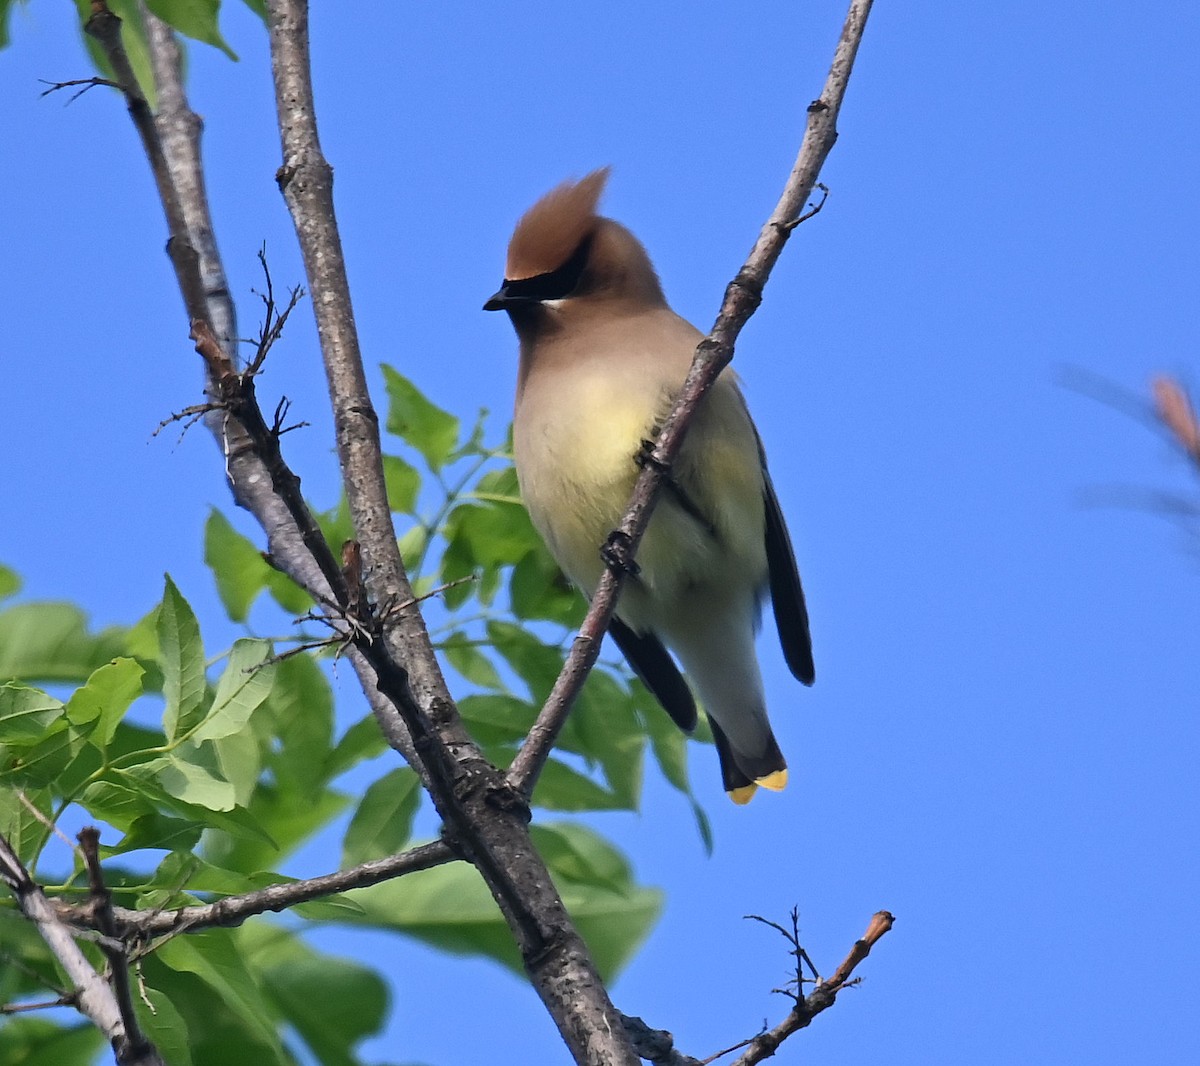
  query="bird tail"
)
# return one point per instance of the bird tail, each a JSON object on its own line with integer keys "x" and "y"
{"x": 742, "y": 775}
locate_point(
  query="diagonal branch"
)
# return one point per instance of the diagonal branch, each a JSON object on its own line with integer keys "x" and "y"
{"x": 233, "y": 910}
{"x": 94, "y": 997}
{"x": 714, "y": 353}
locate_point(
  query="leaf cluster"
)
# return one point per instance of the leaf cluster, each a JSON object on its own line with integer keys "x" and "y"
{"x": 208, "y": 771}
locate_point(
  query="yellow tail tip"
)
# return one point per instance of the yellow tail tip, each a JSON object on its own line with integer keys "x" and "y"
{"x": 741, "y": 796}
{"x": 775, "y": 782}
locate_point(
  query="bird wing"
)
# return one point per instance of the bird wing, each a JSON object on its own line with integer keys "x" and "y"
{"x": 787, "y": 595}
{"x": 651, "y": 662}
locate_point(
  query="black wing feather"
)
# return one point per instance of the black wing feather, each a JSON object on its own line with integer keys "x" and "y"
{"x": 787, "y": 595}
{"x": 651, "y": 662}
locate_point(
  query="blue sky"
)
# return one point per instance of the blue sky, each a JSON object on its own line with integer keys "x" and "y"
{"x": 1002, "y": 741}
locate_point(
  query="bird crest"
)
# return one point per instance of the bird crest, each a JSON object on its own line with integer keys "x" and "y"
{"x": 552, "y": 229}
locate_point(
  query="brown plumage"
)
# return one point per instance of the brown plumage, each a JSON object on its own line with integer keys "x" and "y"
{"x": 602, "y": 359}
{"x": 553, "y": 228}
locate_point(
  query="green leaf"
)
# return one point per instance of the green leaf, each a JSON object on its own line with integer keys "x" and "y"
{"x": 403, "y": 484}
{"x": 63, "y": 759}
{"x": 19, "y": 825}
{"x": 451, "y": 908}
{"x": 192, "y": 783}
{"x": 497, "y": 719}
{"x": 37, "y": 1042}
{"x": 667, "y": 740}
{"x": 604, "y": 727}
{"x": 670, "y": 747}
{"x": 238, "y": 759}
{"x": 259, "y": 7}
{"x": 163, "y": 1025}
{"x": 26, "y": 714}
{"x": 158, "y": 831}
{"x": 468, "y": 660}
{"x": 536, "y": 663}
{"x": 106, "y": 696}
{"x": 301, "y": 710}
{"x": 352, "y": 998}
{"x": 412, "y": 544}
{"x": 243, "y": 686}
{"x": 413, "y": 418}
{"x": 498, "y": 534}
{"x": 133, "y": 39}
{"x": 193, "y": 18}
{"x": 539, "y": 591}
{"x": 559, "y": 788}
{"x": 382, "y": 825}
{"x": 282, "y": 821}
{"x": 242, "y": 572}
{"x": 360, "y": 742}
{"x": 10, "y": 583}
{"x": 238, "y": 566}
{"x": 213, "y": 956}
{"x": 579, "y": 855}
{"x": 181, "y": 655}
{"x": 144, "y": 782}
{"x": 50, "y": 642}
{"x": 337, "y": 526}
{"x": 217, "y": 1034}
{"x": 499, "y": 485}
{"x": 117, "y": 803}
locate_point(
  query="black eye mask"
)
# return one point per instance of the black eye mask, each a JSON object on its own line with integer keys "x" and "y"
{"x": 554, "y": 285}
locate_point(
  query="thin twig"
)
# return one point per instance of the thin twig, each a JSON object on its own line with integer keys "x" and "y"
{"x": 87, "y": 83}
{"x": 714, "y": 353}
{"x": 820, "y": 998}
{"x": 30, "y": 806}
{"x": 68, "y": 1000}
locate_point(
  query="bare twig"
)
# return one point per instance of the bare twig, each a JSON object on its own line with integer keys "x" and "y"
{"x": 742, "y": 298}
{"x": 94, "y": 998}
{"x": 87, "y": 83}
{"x": 792, "y": 936}
{"x": 69, "y": 1000}
{"x": 273, "y": 319}
{"x": 820, "y": 998}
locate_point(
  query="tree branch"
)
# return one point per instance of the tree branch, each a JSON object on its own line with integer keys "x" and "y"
{"x": 93, "y": 997}
{"x": 469, "y": 793}
{"x": 175, "y": 138}
{"x": 233, "y": 910}
{"x": 742, "y": 297}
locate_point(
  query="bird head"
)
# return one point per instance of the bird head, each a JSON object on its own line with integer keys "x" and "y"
{"x": 562, "y": 250}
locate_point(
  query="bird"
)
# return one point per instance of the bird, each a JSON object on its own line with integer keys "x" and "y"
{"x": 602, "y": 358}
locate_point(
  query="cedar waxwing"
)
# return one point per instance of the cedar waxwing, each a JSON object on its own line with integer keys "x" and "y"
{"x": 602, "y": 358}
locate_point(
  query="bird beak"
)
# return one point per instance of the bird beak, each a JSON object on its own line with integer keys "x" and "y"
{"x": 504, "y": 300}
